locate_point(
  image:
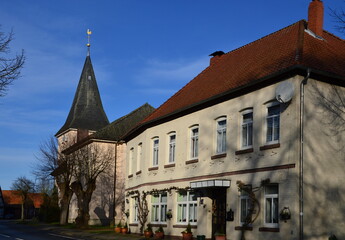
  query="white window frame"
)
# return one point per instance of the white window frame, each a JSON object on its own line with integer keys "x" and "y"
{"x": 172, "y": 147}
{"x": 274, "y": 209}
{"x": 194, "y": 142}
{"x": 139, "y": 156}
{"x": 130, "y": 162}
{"x": 247, "y": 129}
{"x": 155, "y": 151}
{"x": 221, "y": 135}
{"x": 159, "y": 208}
{"x": 187, "y": 209}
{"x": 275, "y": 120}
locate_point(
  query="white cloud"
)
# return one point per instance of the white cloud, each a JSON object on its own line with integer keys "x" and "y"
{"x": 171, "y": 71}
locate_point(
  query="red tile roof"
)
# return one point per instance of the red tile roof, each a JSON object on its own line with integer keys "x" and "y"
{"x": 280, "y": 51}
{"x": 12, "y": 197}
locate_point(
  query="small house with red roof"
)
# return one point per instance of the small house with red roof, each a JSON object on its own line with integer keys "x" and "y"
{"x": 252, "y": 147}
{"x": 13, "y": 204}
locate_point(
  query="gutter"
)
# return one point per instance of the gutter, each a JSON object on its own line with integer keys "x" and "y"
{"x": 301, "y": 154}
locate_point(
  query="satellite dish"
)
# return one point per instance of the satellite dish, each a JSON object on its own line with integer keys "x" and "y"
{"x": 284, "y": 92}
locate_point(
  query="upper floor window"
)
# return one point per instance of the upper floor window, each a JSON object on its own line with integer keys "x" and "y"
{"x": 155, "y": 151}
{"x": 221, "y": 135}
{"x": 273, "y": 123}
{"x": 271, "y": 205}
{"x": 139, "y": 155}
{"x": 247, "y": 129}
{"x": 187, "y": 208}
{"x": 159, "y": 208}
{"x": 194, "y": 142}
{"x": 131, "y": 159}
{"x": 172, "y": 146}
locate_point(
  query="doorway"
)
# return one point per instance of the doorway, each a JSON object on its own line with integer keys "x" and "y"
{"x": 218, "y": 211}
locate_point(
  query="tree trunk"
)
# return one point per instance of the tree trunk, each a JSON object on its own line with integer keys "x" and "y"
{"x": 84, "y": 198}
{"x": 65, "y": 195}
{"x": 22, "y": 214}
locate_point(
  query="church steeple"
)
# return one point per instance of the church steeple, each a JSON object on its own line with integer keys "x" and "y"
{"x": 87, "y": 110}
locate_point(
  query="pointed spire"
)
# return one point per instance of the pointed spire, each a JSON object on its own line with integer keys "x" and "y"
{"x": 87, "y": 110}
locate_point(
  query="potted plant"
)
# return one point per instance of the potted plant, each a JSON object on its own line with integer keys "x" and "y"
{"x": 187, "y": 233}
{"x": 148, "y": 231}
{"x": 118, "y": 227}
{"x": 159, "y": 233}
{"x": 124, "y": 229}
{"x": 220, "y": 236}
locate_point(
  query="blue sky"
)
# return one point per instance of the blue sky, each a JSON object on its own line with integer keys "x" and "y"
{"x": 142, "y": 51}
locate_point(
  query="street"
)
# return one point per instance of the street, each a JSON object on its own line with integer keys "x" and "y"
{"x": 11, "y": 230}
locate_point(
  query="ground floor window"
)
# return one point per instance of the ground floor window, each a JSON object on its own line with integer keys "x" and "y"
{"x": 186, "y": 208}
{"x": 245, "y": 205}
{"x": 271, "y": 205}
{"x": 135, "y": 210}
{"x": 159, "y": 208}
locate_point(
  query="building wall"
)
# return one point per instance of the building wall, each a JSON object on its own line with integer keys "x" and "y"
{"x": 102, "y": 202}
{"x": 279, "y": 164}
{"x": 324, "y": 161}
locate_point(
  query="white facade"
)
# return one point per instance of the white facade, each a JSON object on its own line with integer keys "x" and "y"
{"x": 264, "y": 146}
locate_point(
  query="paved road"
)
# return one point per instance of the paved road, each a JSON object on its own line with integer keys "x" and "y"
{"x": 11, "y": 231}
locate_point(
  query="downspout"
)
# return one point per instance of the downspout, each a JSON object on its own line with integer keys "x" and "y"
{"x": 115, "y": 175}
{"x": 301, "y": 155}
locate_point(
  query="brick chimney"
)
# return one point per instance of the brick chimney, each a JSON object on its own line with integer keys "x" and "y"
{"x": 315, "y": 17}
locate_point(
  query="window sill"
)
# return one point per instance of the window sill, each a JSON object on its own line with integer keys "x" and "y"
{"x": 270, "y": 146}
{"x": 192, "y": 161}
{"x": 221, "y": 155}
{"x": 184, "y": 226}
{"x": 153, "y": 168}
{"x": 268, "y": 229}
{"x": 244, "y": 228}
{"x": 130, "y": 175}
{"x": 158, "y": 225}
{"x": 169, "y": 165}
{"x": 133, "y": 224}
{"x": 138, "y": 172}
{"x": 244, "y": 151}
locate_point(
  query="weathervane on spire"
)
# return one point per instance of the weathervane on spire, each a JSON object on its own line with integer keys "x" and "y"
{"x": 88, "y": 41}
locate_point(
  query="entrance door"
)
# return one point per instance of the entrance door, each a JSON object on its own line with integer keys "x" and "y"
{"x": 218, "y": 211}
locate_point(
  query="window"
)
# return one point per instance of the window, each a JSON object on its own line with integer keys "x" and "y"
{"x": 155, "y": 151}
{"x": 159, "y": 208}
{"x": 245, "y": 206}
{"x": 131, "y": 159}
{"x": 221, "y": 136}
{"x": 271, "y": 205}
{"x": 135, "y": 210}
{"x": 139, "y": 155}
{"x": 172, "y": 146}
{"x": 273, "y": 123}
{"x": 194, "y": 142}
{"x": 186, "y": 208}
{"x": 247, "y": 129}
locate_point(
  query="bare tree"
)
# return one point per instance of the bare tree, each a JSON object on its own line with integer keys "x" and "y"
{"x": 90, "y": 162}
{"x": 339, "y": 17}
{"x": 51, "y": 163}
{"x": 23, "y": 186}
{"x": 10, "y": 67}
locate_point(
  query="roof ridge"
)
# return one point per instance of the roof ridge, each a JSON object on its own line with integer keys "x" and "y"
{"x": 266, "y": 36}
{"x": 332, "y": 35}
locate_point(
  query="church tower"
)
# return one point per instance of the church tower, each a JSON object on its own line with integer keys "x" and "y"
{"x": 86, "y": 114}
